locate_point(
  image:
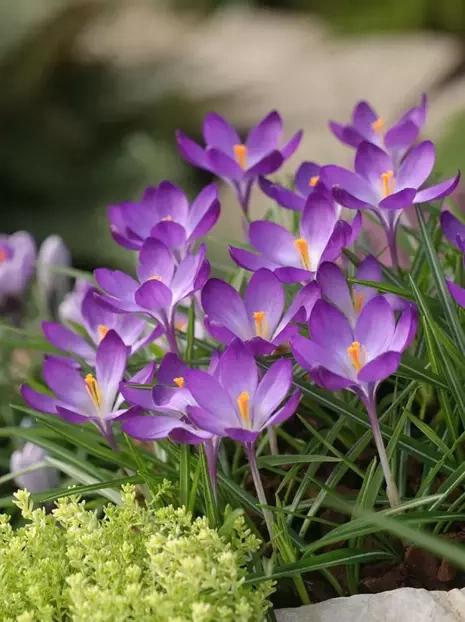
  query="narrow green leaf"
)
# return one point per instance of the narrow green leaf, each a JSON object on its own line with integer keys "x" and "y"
{"x": 266, "y": 461}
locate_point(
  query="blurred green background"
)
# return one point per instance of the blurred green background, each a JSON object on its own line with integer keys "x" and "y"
{"x": 87, "y": 115}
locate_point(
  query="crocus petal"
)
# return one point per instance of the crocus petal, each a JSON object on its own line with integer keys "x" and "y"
{"x": 353, "y": 184}
{"x": 68, "y": 341}
{"x": 249, "y": 261}
{"x": 241, "y": 435}
{"x": 377, "y": 313}
{"x": 190, "y": 275}
{"x": 348, "y": 200}
{"x": 224, "y": 306}
{"x": 71, "y": 416}
{"x": 317, "y": 226}
{"x": 371, "y": 162}
{"x": 401, "y": 135}
{"x": 112, "y": 356}
{"x": 292, "y": 145}
{"x": 156, "y": 427}
{"x": 399, "y": 200}
{"x": 293, "y": 275}
{"x": 453, "y": 228}
{"x": 267, "y": 165}
{"x": 67, "y": 384}
{"x": 138, "y": 397}
{"x": 335, "y": 288}
{"x": 457, "y": 292}
{"x": 264, "y": 137}
{"x": 116, "y": 283}
{"x": 275, "y": 242}
{"x": 416, "y": 167}
{"x": 433, "y": 193}
{"x": 310, "y": 355}
{"x": 171, "y": 202}
{"x": 238, "y": 371}
{"x": 204, "y": 213}
{"x": 191, "y": 151}
{"x": 304, "y": 175}
{"x": 271, "y": 391}
{"x": 172, "y": 399}
{"x": 300, "y": 308}
{"x": 39, "y": 401}
{"x": 368, "y": 270}
{"x": 363, "y": 117}
{"x": 405, "y": 330}
{"x": 339, "y": 238}
{"x": 286, "y": 411}
{"x": 171, "y": 367}
{"x": 329, "y": 327}
{"x": 345, "y": 134}
{"x": 211, "y": 396}
{"x": 171, "y": 233}
{"x": 356, "y": 226}
{"x": 155, "y": 260}
{"x": 330, "y": 381}
{"x": 265, "y": 294}
{"x": 380, "y": 368}
{"x": 219, "y": 332}
{"x": 284, "y": 197}
{"x": 223, "y": 165}
{"x": 211, "y": 422}
{"x": 219, "y": 133}
{"x": 153, "y": 296}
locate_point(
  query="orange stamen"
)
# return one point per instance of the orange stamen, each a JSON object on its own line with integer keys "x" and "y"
{"x": 243, "y": 403}
{"x": 3, "y": 255}
{"x": 261, "y": 324}
{"x": 357, "y": 355}
{"x": 102, "y": 331}
{"x": 314, "y": 180}
{"x": 93, "y": 390}
{"x": 388, "y": 183}
{"x": 167, "y": 219}
{"x": 155, "y": 278}
{"x": 358, "y": 301}
{"x": 240, "y": 151}
{"x": 179, "y": 381}
{"x": 302, "y": 248}
{"x": 378, "y": 125}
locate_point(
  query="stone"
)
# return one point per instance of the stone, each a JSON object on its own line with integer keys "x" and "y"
{"x": 402, "y": 605}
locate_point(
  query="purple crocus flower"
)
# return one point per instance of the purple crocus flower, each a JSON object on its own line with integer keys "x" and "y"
{"x": 53, "y": 285}
{"x": 160, "y": 285}
{"x": 376, "y": 187}
{"x": 164, "y": 213}
{"x": 37, "y": 479}
{"x": 239, "y": 163}
{"x": 17, "y": 258}
{"x": 70, "y": 309}
{"x": 341, "y": 357}
{"x": 97, "y": 321}
{"x": 258, "y": 320}
{"x": 367, "y": 126}
{"x": 94, "y": 397}
{"x": 293, "y": 260}
{"x": 306, "y": 181}
{"x": 351, "y": 301}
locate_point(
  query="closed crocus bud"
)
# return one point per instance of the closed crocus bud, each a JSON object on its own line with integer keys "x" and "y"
{"x": 35, "y": 480}
{"x": 53, "y": 254}
{"x": 17, "y": 257}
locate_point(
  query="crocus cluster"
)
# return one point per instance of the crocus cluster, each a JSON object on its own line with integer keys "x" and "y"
{"x": 298, "y": 305}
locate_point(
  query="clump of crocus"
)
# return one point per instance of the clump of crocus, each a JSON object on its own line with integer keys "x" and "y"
{"x": 378, "y": 187}
{"x": 237, "y": 162}
{"x": 234, "y": 403}
{"x": 164, "y": 213}
{"x": 160, "y": 286}
{"x": 297, "y": 259}
{"x": 97, "y": 321}
{"x": 339, "y": 356}
{"x": 17, "y": 259}
{"x": 82, "y": 397}
{"x": 367, "y": 125}
{"x": 259, "y": 320}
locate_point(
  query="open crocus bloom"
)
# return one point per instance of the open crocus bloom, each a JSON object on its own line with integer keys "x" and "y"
{"x": 161, "y": 282}
{"x": 351, "y": 301}
{"x": 17, "y": 257}
{"x": 293, "y": 260}
{"x": 367, "y": 126}
{"x": 341, "y": 357}
{"x": 90, "y": 397}
{"x": 258, "y": 320}
{"x": 305, "y": 182}
{"x": 234, "y": 403}
{"x": 97, "y": 321}
{"x": 164, "y": 213}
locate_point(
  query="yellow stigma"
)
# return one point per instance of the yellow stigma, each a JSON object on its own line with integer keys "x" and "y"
{"x": 93, "y": 390}
{"x": 167, "y": 218}
{"x": 240, "y": 151}
{"x": 261, "y": 324}
{"x": 180, "y": 325}
{"x": 388, "y": 183}
{"x": 3, "y": 255}
{"x": 302, "y": 248}
{"x": 102, "y": 331}
{"x": 243, "y": 403}
{"x": 356, "y": 356}
{"x": 314, "y": 180}
{"x": 378, "y": 125}
{"x": 179, "y": 381}
{"x": 155, "y": 278}
{"x": 358, "y": 301}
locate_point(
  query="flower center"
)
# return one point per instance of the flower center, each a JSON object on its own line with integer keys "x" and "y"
{"x": 167, "y": 219}
{"x": 102, "y": 331}
{"x": 357, "y": 355}
{"x": 314, "y": 180}
{"x": 3, "y": 255}
{"x": 240, "y": 151}
{"x": 179, "y": 381}
{"x": 358, "y": 301}
{"x": 155, "y": 278}
{"x": 378, "y": 125}
{"x": 243, "y": 403}
{"x": 302, "y": 248}
{"x": 93, "y": 390}
{"x": 387, "y": 182}
{"x": 180, "y": 325}
{"x": 261, "y": 324}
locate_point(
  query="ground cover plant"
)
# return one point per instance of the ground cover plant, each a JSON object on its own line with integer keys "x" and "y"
{"x": 314, "y": 391}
